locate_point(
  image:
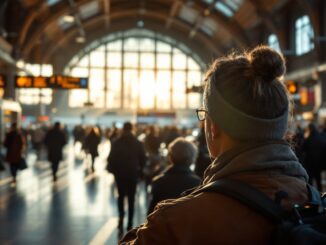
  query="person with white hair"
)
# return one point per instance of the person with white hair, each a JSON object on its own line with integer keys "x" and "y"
{"x": 178, "y": 177}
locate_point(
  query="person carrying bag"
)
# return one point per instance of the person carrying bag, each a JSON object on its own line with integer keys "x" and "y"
{"x": 15, "y": 142}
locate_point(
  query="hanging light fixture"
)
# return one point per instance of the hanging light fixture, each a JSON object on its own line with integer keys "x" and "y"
{"x": 80, "y": 39}
{"x": 68, "y": 18}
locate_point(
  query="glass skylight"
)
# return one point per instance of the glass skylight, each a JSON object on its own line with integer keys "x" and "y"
{"x": 89, "y": 9}
{"x": 53, "y": 2}
{"x": 208, "y": 1}
{"x": 273, "y": 42}
{"x": 226, "y": 7}
{"x": 209, "y": 26}
{"x": 304, "y": 35}
{"x": 188, "y": 14}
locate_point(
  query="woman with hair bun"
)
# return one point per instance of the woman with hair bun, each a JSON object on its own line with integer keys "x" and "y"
{"x": 245, "y": 111}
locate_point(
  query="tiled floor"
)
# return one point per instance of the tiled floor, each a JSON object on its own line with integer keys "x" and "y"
{"x": 79, "y": 209}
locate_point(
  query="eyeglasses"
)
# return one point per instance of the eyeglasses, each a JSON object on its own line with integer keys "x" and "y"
{"x": 201, "y": 114}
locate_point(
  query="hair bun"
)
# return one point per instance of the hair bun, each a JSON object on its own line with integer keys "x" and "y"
{"x": 267, "y": 63}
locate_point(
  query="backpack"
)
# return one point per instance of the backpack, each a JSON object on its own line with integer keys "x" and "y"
{"x": 303, "y": 225}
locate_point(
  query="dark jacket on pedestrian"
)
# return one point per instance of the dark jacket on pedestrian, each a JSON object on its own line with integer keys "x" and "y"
{"x": 152, "y": 144}
{"x": 55, "y": 140}
{"x": 14, "y": 142}
{"x": 92, "y": 141}
{"x": 313, "y": 147}
{"x": 127, "y": 157}
{"x": 172, "y": 183}
{"x": 212, "y": 218}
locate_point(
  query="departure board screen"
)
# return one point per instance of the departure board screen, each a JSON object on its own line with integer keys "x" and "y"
{"x": 24, "y": 82}
{"x": 63, "y": 82}
{"x": 55, "y": 82}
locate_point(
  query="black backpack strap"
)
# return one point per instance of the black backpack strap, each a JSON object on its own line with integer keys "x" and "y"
{"x": 247, "y": 195}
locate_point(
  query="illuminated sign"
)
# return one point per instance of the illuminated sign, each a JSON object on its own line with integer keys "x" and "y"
{"x": 55, "y": 82}
{"x": 24, "y": 82}
{"x": 63, "y": 82}
{"x": 40, "y": 82}
{"x": 292, "y": 87}
{"x": 2, "y": 81}
{"x": 43, "y": 118}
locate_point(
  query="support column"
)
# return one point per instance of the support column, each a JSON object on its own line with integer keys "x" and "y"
{"x": 9, "y": 90}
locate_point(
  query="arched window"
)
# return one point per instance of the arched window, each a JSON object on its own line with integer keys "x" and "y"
{"x": 137, "y": 69}
{"x": 304, "y": 35}
{"x": 273, "y": 42}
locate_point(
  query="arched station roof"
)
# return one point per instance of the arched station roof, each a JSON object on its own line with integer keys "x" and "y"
{"x": 209, "y": 27}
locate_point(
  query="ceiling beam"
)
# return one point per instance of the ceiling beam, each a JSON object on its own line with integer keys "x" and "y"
{"x": 173, "y": 12}
{"x": 229, "y": 24}
{"x": 201, "y": 17}
{"x": 106, "y": 9}
{"x": 63, "y": 42}
{"x": 29, "y": 23}
{"x": 270, "y": 22}
{"x": 33, "y": 39}
{"x": 265, "y": 15}
{"x": 78, "y": 20}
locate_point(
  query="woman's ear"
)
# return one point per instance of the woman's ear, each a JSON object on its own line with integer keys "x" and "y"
{"x": 215, "y": 130}
{"x": 213, "y": 137}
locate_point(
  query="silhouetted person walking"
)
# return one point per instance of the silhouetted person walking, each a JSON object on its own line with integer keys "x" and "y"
{"x": 125, "y": 162}
{"x": 55, "y": 140}
{"x": 298, "y": 140}
{"x": 313, "y": 148}
{"x": 153, "y": 164}
{"x": 91, "y": 143}
{"x": 14, "y": 142}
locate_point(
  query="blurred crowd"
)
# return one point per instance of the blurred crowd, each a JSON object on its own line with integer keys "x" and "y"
{"x": 309, "y": 144}
{"x": 169, "y": 160}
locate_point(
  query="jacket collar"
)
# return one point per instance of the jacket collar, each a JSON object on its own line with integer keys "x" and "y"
{"x": 271, "y": 157}
{"x": 178, "y": 169}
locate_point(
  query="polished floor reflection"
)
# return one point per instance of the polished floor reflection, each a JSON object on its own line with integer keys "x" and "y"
{"x": 80, "y": 208}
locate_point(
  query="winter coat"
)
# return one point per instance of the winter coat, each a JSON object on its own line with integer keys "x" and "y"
{"x": 172, "y": 183}
{"x": 127, "y": 157}
{"x": 152, "y": 144}
{"x": 54, "y": 141}
{"x": 212, "y": 218}
{"x": 314, "y": 147}
{"x": 92, "y": 141}
{"x": 14, "y": 142}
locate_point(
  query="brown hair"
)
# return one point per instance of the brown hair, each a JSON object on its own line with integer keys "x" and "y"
{"x": 250, "y": 81}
